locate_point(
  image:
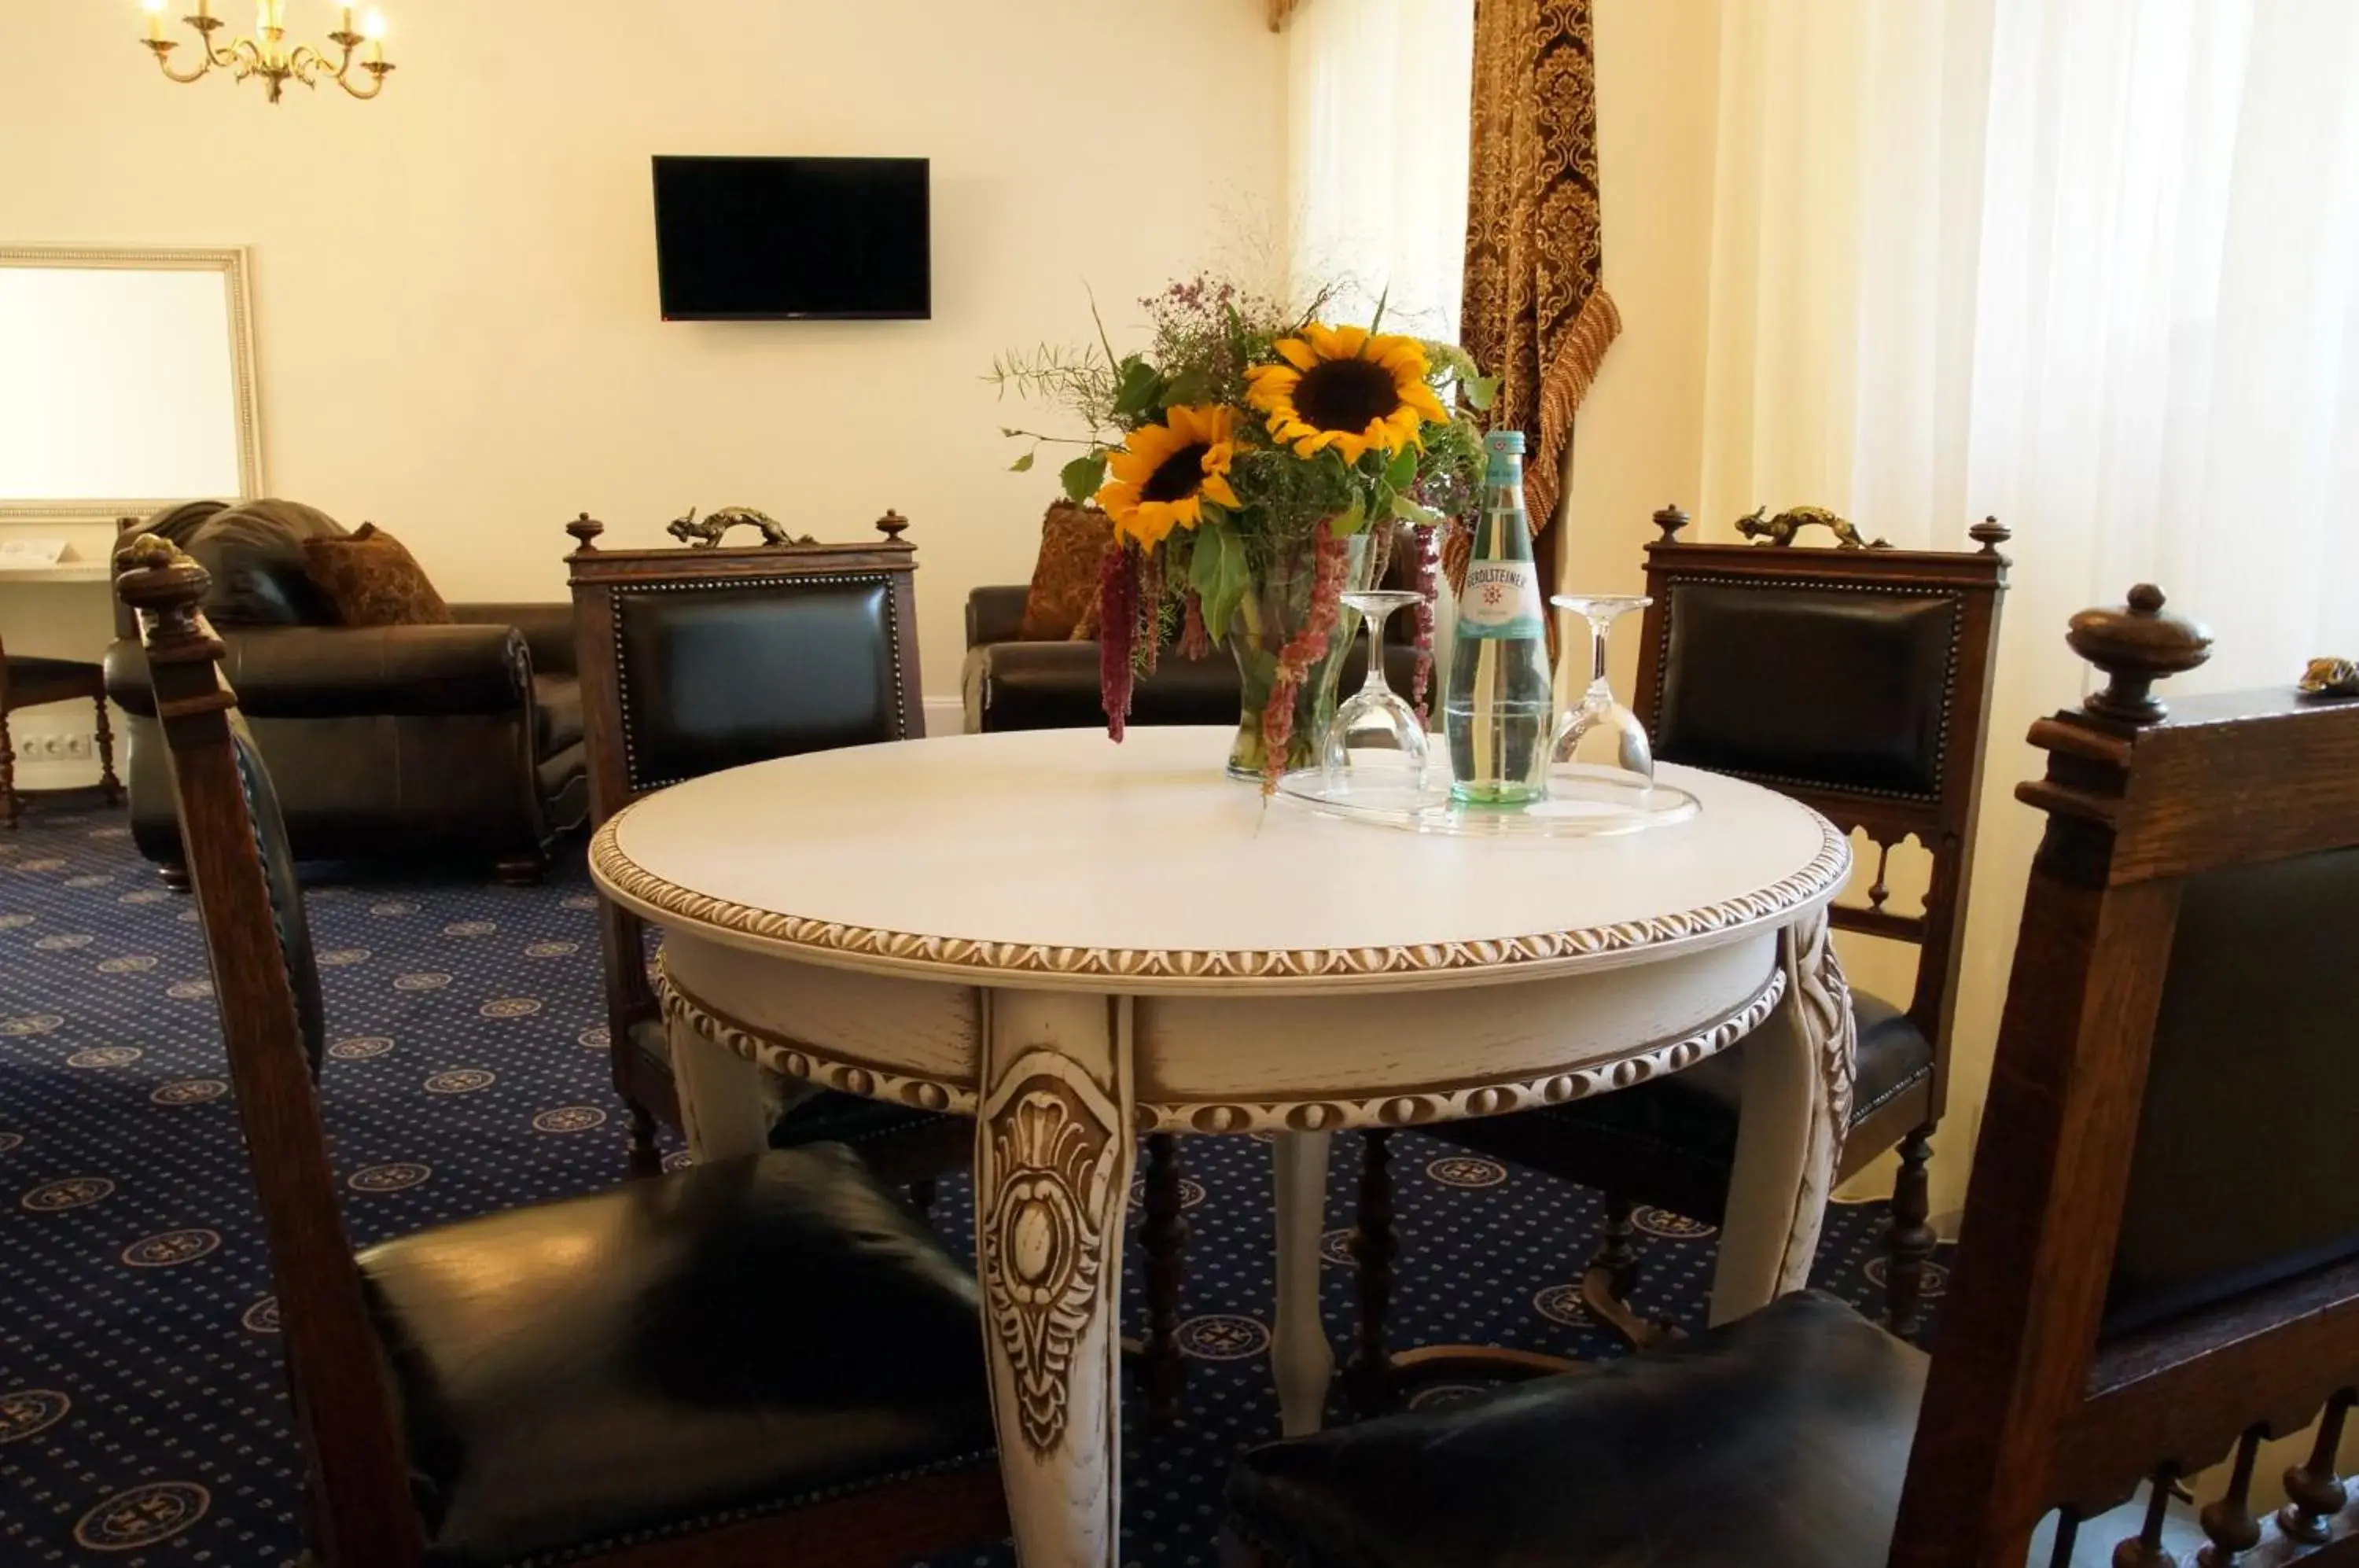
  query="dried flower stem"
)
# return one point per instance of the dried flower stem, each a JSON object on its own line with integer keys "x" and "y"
{"x": 1429, "y": 584}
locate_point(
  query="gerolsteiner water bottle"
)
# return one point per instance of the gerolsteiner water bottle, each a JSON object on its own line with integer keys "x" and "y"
{"x": 1497, "y": 712}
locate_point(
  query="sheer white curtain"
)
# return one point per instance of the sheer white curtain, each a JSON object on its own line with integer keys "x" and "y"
{"x": 2091, "y": 265}
{"x": 1378, "y": 141}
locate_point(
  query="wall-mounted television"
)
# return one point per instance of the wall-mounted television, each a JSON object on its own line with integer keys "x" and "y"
{"x": 761, "y": 239}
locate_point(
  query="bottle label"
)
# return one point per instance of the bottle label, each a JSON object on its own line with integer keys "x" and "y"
{"x": 1502, "y": 600}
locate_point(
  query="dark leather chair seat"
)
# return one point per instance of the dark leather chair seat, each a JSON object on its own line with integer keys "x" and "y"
{"x": 1779, "y": 1442}
{"x": 1696, "y": 1112}
{"x": 555, "y": 1363}
{"x": 557, "y": 714}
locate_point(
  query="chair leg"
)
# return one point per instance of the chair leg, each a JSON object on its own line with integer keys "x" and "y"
{"x": 1612, "y": 1274}
{"x": 1166, "y": 1240}
{"x": 175, "y": 873}
{"x": 520, "y": 870}
{"x": 1368, "y": 1375}
{"x": 645, "y": 1160}
{"x": 1912, "y": 1239}
{"x": 109, "y": 785}
{"x": 9, "y": 810}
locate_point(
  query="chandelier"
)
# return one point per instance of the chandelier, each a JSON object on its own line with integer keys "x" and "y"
{"x": 267, "y": 53}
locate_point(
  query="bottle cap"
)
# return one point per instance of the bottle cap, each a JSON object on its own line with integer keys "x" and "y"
{"x": 1503, "y": 443}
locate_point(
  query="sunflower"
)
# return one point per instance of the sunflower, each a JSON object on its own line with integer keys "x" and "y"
{"x": 1346, "y": 388}
{"x": 1165, "y": 474}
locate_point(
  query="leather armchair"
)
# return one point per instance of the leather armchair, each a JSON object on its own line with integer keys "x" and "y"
{"x": 1012, "y": 684}
{"x": 461, "y": 740}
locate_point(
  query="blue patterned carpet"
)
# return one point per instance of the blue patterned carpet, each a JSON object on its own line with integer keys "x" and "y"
{"x": 141, "y": 1416}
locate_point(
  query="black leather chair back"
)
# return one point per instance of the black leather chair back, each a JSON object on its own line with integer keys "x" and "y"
{"x": 696, "y": 659}
{"x": 289, "y": 922}
{"x": 1809, "y": 686}
{"x": 715, "y": 674}
{"x": 1856, "y": 681}
{"x": 2247, "y": 1165}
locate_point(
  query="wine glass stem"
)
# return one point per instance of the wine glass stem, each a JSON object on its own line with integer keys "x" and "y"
{"x": 1600, "y": 631}
{"x": 1376, "y": 678}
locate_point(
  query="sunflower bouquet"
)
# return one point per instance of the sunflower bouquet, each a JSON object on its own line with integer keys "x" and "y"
{"x": 1256, "y": 462}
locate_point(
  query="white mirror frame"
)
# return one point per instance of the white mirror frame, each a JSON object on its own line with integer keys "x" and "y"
{"x": 231, "y": 264}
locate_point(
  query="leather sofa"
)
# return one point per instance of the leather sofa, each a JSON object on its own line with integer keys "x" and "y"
{"x": 459, "y": 742}
{"x": 1011, "y": 684}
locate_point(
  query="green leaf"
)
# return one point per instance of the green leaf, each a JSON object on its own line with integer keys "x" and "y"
{"x": 1218, "y": 573}
{"x": 1082, "y": 476}
{"x": 1401, "y": 472}
{"x": 1023, "y": 464}
{"x": 1138, "y": 388}
{"x": 1409, "y": 511}
{"x": 1352, "y": 520}
{"x": 1482, "y": 392}
{"x": 1188, "y": 386}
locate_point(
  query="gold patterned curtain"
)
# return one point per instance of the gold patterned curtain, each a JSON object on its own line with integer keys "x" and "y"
{"x": 1535, "y": 316}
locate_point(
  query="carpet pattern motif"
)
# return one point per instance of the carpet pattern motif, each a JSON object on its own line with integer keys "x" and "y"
{"x": 142, "y": 1418}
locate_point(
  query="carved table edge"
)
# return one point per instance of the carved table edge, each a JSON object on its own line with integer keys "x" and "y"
{"x": 986, "y": 963}
{"x": 1308, "y": 1112}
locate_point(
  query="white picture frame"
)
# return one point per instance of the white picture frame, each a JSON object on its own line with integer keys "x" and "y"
{"x": 124, "y": 371}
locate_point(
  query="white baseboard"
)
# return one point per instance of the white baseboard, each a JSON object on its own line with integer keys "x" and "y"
{"x": 945, "y": 716}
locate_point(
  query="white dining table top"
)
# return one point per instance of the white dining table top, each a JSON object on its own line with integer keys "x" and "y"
{"x": 1058, "y": 857}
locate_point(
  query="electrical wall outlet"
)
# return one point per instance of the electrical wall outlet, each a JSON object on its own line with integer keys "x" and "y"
{"x": 79, "y": 747}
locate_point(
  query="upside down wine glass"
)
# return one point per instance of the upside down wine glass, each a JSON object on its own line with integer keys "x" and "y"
{"x": 1376, "y": 731}
{"x": 1598, "y": 743}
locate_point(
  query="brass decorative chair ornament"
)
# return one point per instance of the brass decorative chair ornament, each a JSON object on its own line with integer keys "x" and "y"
{"x": 2329, "y": 677}
{"x": 1780, "y": 529}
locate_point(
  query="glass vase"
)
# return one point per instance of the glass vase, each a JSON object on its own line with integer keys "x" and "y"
{"x": 1277, "y": 610}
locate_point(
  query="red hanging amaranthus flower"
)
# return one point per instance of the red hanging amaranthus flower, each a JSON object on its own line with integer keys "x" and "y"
{"x": 1195, "y": 638}
{"x": 1117, "y": 629}
{"x": 1428, "y": 585}
{"x": 1295, "y": 659}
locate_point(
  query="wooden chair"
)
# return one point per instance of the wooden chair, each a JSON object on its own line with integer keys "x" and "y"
{"x": 757, "y": 1362}
{"x": 2159, "y": 1266}
{"x": 696, "y": 659}
{"x": 30, "y": 683}
{"x": 1856, "y": 681}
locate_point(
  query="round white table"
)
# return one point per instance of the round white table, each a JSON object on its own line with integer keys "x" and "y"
{"x": 1077, "y": 942}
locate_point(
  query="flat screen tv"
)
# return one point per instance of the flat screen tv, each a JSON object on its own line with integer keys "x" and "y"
{"x": 758, "y": 239}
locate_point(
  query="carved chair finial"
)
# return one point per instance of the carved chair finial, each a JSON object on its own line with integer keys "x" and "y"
{"x": 153, "y": 574}
{"x": 1990, "y": 533}
{"x": 1671, "y": 520}
{"x": 2136, "y": 644}
{"x": 890, "y": 524}
{"x": 585, "y": 530}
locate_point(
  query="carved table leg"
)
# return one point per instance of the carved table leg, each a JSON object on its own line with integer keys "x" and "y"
{"x": 1299, "y": 1356}
{"x": 720, "y": 1109}
{"x": 1054, "y": 1145}
{"x": 1797, "y": 1098}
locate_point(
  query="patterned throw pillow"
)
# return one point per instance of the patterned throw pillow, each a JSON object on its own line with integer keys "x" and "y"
{"x": 1073, "y": 542}
{"x": 371, "y": 581}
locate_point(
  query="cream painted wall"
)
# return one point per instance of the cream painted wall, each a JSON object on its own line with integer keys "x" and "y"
{"x": 455, "y": 290}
